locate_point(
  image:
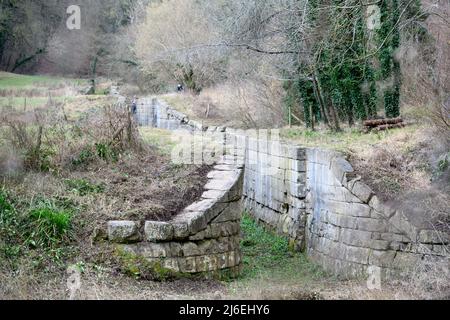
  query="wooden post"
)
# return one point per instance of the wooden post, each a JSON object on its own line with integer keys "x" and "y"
{"x": 290, "y": 117}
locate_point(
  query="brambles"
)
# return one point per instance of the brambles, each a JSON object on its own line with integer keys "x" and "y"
{"x": 44, "y": 140}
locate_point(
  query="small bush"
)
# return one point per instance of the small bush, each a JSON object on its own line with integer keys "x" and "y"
{"x": 444, "y": 163}
{"x": 39, "y": 159}
{"x": 105, "y": 152}
{"x": 84, "y": 157}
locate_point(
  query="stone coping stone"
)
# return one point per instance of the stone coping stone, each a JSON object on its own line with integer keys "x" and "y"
{"x": 158, "y": 231}
{"x": 123, "y": 231}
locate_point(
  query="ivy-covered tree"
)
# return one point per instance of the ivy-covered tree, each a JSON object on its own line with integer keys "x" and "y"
{"x": 356, "y": 68}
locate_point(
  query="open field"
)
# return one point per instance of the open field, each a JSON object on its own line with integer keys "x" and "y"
{"x": 26, "y": 93}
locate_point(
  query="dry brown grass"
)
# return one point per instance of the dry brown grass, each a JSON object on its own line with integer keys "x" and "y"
{"x": 238, "y": 105}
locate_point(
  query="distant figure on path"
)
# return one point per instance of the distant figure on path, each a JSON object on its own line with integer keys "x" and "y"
{"x": 180, "y": 88}
{"x": 134, "y": 105}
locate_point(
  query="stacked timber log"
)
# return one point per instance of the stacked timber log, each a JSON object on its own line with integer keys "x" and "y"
{"x": 383, "y": 124}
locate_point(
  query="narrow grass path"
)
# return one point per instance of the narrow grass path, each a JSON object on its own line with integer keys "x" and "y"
{"x": 272, "y": 269}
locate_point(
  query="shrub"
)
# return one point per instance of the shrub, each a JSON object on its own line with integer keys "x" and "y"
{"x": 46, "y": 141}
{"x": 84, "y": 157}
{"x": 105, "y": 152}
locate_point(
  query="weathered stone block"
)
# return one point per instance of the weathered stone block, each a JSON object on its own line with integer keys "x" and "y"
{"x": 191, "y": 249}
{"x": 187, "y": 265}
{"x": 349, "y": 209}
{"x": 176, "y": 249}
{"x": 215, "y": 195}
{"x": 298, "y": 190}
{"x": 158, "y": 231}
{"x": 221, "y": 185}
{"x": 180, "y": 230}
{"x": 296, "y": 152}
{"x": 340, "y": 167}
{"x": 331, "y": 232}
{"x": 373, "y": 225}
{"x": 381, "y": 208}
{"x": 434, "y": 237}
{"x": 155, "y": 250}
{"x": 232, "y": 213}
{"x": 196, "y": 221}
{"x": 232, "y": 260}
{"x": 356, "y": 237}
{"x": 171, "y": 264}
{"x": 204, "y": 234}
{"x": 357, "y": 255}
{"x": 123, "y": 232}
{"x": 222, "y": 260}
{"x": 393, "y": 237}
{"x": 206, "y": 263}
{"x": 382, "y": 258}
{"x": 224, "y": 167}
{"x": 400, "y": 223}
{"x": 225, "y": 229}
{"x": 405, "y": 260}
{"x": 362, "y": 191}
{"x": 347, "y": 222}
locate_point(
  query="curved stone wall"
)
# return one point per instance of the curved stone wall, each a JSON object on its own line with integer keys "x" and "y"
{"x": 310, "y": 195}
{"x": 350, "y": 229}
{"x": 205, "y": 237}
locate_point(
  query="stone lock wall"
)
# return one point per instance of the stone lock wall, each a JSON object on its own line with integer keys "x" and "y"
{"x": 204, "y": 237}
{"x": 313, "y": 197}
{"x": 158, "y": 114}
{"x": 310, "y": 195}
{"x": 350, "y": 229}
{"x": 275, "y": 187}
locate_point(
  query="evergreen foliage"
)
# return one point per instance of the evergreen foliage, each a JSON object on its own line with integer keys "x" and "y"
{"x": 356, "y": 68}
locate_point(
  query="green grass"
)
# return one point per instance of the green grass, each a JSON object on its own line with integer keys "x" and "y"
{"x": 266, "y": 254}
{"x": 19, "y": 103}
{"x": 50, "y": 226}
{"x": 159, "y": 139}
{"x": 39, "y": 230}
{"x": 17, "y": 81}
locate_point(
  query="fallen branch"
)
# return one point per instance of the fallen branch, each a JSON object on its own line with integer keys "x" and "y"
{"x": 382, "y": 122}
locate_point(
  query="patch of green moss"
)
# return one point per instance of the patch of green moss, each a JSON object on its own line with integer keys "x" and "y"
{"x": 139, "y": 267}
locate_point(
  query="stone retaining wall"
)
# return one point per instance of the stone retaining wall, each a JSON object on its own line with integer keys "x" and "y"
{"x": 350, "y": 229}
{"x": 310, "y": 195}
{"x": 205, "y": 237}
{"x": 275, "y": 187}
{"x": 158, "y": 114}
